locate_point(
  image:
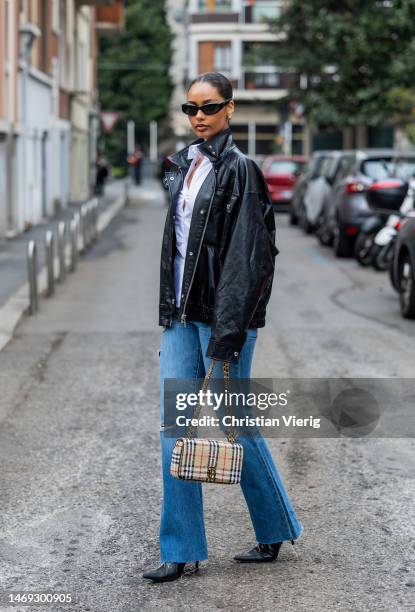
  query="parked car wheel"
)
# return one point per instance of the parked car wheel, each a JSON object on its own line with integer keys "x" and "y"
{"x": 407, "y": 287}
{"x": 363, "y": 248}
{"x": 382, "y": 257}
{"x": 342, "y": 245}
{"x": 324, "y": 235}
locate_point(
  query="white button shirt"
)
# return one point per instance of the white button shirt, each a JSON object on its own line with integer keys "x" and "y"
{"x": 184, "y": 211}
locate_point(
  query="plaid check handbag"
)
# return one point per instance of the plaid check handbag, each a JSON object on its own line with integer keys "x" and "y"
{"x": 207, "y": 460}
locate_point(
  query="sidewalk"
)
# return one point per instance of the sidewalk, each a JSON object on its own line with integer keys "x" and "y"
{"x": 14, "y": 289}
{"x": 13, "y": 267}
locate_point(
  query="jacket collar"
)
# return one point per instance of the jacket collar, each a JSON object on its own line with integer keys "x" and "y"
{"x": 212, "y": 148}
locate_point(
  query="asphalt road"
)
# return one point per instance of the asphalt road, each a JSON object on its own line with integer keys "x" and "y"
{"x": 79, "y": 443}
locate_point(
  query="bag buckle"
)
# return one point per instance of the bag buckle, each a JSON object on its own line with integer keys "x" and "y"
{"x": 211, "y": 474}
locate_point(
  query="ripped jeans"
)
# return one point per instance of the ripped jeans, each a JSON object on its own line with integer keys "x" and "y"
{"x": 182, "y": 530}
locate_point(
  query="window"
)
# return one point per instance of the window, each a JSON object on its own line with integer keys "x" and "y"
{"x": 285, "y": 167}
{"x": 81, "y": 66}
{"x": 63, "y": 55}
{"x": 56, "y": 15}
{"x": 404, "y": 169}
{"x": 262, "y": 10}
{"x": 215, "y": 56}
{"x": 222, "y": 57}
{"x": 215, "y": 6}
{"x": 346, "y": 166}
{"x": 377, "y": 168}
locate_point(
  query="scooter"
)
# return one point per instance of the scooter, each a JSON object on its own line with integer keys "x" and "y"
{"x": 365, "y": 241}
{"x": 384, "y": 243}
{"x": 385, "y": 197}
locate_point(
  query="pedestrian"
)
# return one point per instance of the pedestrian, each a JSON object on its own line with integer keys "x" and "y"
{"x": 136, "y": 160}
{"x": 101, "y": 174}
{"x": 217, "y": 267}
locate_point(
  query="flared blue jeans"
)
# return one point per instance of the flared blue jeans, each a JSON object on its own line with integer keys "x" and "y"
{"x": 182, "y": 530}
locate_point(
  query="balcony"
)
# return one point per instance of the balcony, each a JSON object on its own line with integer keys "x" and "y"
{"x": 268, "y": 77}
{"x": 94, "y": 2}
{"x": 214, "y": 11}
{"x": 261, "y": 11}
{"x": 110, "y": 19}
{"x": 264, "y": 83}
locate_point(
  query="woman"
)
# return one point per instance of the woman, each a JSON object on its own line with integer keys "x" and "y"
{"x": 216, "y": 273}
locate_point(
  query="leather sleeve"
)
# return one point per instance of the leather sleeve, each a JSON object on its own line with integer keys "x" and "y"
{"x": 248, "y": 267}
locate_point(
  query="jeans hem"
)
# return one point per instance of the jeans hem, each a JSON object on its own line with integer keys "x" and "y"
{"x": 203, "y": 557}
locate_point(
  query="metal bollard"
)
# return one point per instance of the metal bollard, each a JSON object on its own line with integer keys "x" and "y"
{"x": 73, "y": 238}
{"x": 49, "y": 242}
{"x": 87, "y": 224}
{"x": 95, "y": 219}
{"x": 61, "y": 250}
{"x": 83, "y": 230}
{"x": 89, "y": 236}
{"x": 32, "y": 276}
{"x": 78, "y": 243}
{"x": 127, "y": 191}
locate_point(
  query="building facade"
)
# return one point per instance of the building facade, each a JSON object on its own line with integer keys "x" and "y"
{"x": 48, "y": 106}
{"x": 234, "y": 37}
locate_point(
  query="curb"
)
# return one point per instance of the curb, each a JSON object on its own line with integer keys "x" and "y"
{"x": 18, "y": 304}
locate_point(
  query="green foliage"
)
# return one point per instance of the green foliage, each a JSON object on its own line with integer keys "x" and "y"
{"x": 358, "y": 57}
{"x": 133, "y": 73}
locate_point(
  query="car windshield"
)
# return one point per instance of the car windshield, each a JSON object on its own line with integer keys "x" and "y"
{"x": 377, "y": 169}
{"x": 285, "y": 167}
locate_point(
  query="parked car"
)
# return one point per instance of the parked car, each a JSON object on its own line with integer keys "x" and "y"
{"x": 311, "y": 172}
{"x": 318, "y": 192}
{"x": 347, "y": 208}
{"x": 403, "y": 266}
{"x": 281, "y": 174}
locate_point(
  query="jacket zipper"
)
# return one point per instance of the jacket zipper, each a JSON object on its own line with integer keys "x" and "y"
{"x": 171, "y": 232}
{"x": 183, "y": 316}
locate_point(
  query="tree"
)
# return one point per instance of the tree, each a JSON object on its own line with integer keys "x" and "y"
{"x": 357, "y": 59}
{"x": 133, "y": 72}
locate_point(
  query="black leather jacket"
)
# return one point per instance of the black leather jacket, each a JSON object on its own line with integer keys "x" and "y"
{"x": 229, "y": 265}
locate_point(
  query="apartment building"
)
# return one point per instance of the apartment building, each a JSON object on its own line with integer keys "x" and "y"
{"x": 48, "y": 104}
{"x": 9, "y": 113}
{"x": 233, "y": 37}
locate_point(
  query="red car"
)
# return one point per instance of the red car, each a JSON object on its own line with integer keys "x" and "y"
{"x": 281, "y": 173}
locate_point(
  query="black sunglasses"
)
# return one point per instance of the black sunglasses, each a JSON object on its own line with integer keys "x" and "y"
{"x": 207, "y": 109}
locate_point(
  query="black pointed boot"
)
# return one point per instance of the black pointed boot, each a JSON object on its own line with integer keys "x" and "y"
{"x": 260, "y": 553}
{"x": 169, "y": 571}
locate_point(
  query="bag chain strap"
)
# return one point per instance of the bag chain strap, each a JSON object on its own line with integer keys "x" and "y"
{"x": 230, "y": 434}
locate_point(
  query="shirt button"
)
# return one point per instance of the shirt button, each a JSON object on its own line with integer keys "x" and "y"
{"x": 202, "y": 212}
{"x": 236, "y": 353}
{"x": 172, "y": 178}
{"x": 190, "y": 253}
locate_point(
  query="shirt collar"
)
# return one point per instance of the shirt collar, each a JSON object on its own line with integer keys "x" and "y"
{"x": 193, "y": 151}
